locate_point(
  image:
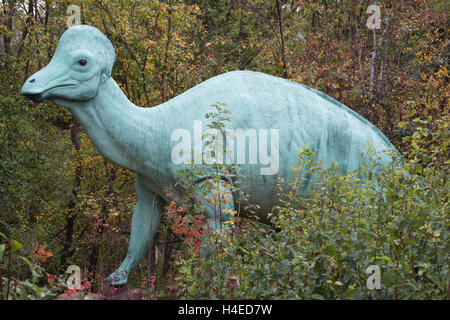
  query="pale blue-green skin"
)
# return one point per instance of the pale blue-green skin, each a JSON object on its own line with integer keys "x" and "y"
{"x": 139, "y": 139}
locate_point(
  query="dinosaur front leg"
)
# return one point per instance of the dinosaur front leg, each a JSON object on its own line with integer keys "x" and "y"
{"x": 145, "y": 222}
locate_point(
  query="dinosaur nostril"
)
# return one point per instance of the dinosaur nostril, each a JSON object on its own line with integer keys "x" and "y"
{"x": 32, "y": 80}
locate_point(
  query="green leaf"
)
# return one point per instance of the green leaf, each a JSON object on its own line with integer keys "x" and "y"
{"x": 331, "y": 249}
{"x": 15, "y": 245}
{"x": 243, "y": 250}
{"x": 284, "y": 267}
{"x": 2, "y": 250}
{"x": 33, "y": 268}
{"x": 391, "y": 197}
{"x": 403, "y": 225}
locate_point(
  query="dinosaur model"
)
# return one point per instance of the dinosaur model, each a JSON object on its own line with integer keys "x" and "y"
{"x": 141, "y": 139}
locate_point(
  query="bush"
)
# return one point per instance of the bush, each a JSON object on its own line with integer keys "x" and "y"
{"x": 13, "y": 264}
{"x": 395, "y": 219}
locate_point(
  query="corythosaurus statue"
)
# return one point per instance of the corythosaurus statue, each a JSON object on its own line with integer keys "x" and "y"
{"x": 141, "y": 139}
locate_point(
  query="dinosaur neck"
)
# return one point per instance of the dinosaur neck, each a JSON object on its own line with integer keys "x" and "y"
{"x": 122, "y": 132}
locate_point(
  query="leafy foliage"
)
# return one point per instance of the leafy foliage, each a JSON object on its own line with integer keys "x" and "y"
{"x": 68, "y": 205}
{"x": 322, "y": 245}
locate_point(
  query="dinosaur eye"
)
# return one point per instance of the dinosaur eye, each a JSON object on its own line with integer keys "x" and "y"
{"x": 82, "y": 62}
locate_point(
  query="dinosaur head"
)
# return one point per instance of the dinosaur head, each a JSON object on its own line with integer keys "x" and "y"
{"x": 82, "y": 61}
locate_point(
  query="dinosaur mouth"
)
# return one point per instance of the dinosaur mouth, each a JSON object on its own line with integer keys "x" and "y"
{"x": 34, "y": 97}
{"x": 39, "y": 97}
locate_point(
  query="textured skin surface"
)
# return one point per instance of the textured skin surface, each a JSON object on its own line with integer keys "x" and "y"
{"x": 139, "y": 139}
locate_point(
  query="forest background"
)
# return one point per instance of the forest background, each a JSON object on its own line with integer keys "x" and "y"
{"x": 64, "y": 204}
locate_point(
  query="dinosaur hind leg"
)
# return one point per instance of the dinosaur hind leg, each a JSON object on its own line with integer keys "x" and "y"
{"x": 217, "y": 199}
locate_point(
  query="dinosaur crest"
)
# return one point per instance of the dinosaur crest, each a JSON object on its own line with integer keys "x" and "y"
{"x": 89, "y": 38}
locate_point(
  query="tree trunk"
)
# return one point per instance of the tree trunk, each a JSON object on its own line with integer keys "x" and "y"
{"x": 283, "y": 55}
{"x": 66, "y": 252}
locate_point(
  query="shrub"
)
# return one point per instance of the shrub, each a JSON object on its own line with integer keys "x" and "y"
{"x": 12, "y": 264}
{"x": 321, "y": 247}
